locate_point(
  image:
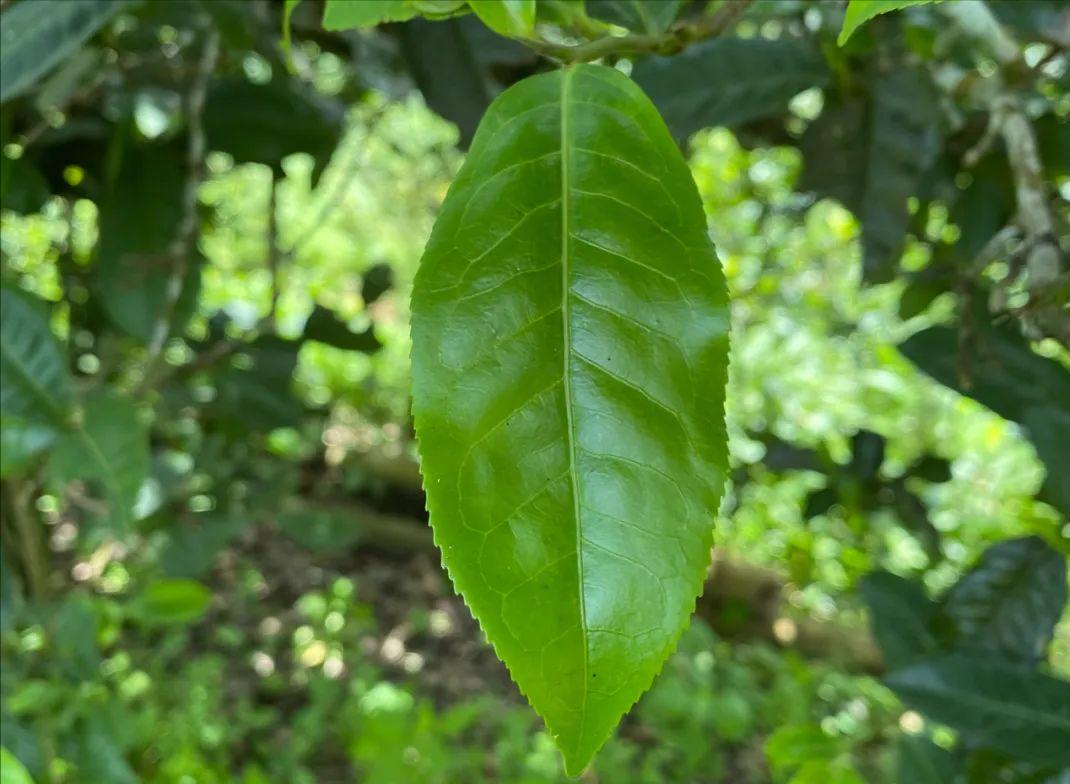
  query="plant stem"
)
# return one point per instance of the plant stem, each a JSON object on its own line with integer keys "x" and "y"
{"x": 675, "y": 39}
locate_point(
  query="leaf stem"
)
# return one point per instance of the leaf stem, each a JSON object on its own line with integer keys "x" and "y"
{"x": 674, "y": 40}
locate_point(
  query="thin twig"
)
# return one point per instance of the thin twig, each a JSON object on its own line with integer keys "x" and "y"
{"x": 183, "y": 244}
{"x": 675, "y": 39}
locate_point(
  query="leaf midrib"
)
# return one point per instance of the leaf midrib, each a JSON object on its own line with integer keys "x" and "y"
{"x": 37, "y": 389}
{"x": 566, "y": 248}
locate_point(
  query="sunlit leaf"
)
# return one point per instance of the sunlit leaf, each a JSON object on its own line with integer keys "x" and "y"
{"x": 861, "y": 11}
{"x": 514, "y": 18}
{"x": 11, "y": 770}
{"x": 570, "y": 338}
{"x": 346, "y": 14}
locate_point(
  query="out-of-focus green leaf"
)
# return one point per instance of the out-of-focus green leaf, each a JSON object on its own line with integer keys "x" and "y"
{"x": 902, "y": 618}
{"x": 95, "y": 751}
{"x": 320, "y": 530}
{"x": 514, "y": 18}
{"x": 287, "y": 11}
{"x": 35, "y": 36}
{"x": 445, "y": 66}
{"x": 1011, "y": 600}
{"x": 324, "y": 326}
{"x": 73, "y": 629}
{"x": 570, "y": 332}
{"x": 920, "y": 761}
{"x": 867, "y": 454}
{"x": 872, "y": 157}
{"x": 824, "y": 772}
{"x": 35, "y": 386}
{"x": 11, "y": 770}
{"x": 347, "y": 14}
{"x": 642, "y": 16}
{"x": 861, "y": 11}
{"x": 793, "y": 745}
{"x": 21, "y": 442}
{"x": 111, "y": 450}
{"x": 729, "y": 81}
{"x": 1023, "y": 713}
{"x": 23, "y": 189}
{"x": 10, "y": 593}
{"x": 1006, "y": 375}
{"x": 193, "y": 545}
{"x": 140, "y": 216}
{"x": 255, "y": 391}
{"x": 170, "y": 602}
{"x": 287, "y": 119}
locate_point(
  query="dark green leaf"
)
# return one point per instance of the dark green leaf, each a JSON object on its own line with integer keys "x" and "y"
{"x": 902, "y": 618}
{"x": 932, "y": 469}
{"x": 642, "y": 16}
{"x": 346, "y": 14}
{"x": 570, "y": 333}
{"x": 255, "y": 391}
{"x": 34, "y": 37}
{"x": 35, "y": 386}
{"x": 1023, "y": 713}
{"x": 74, "y": 638}
{"x": 1005, "y": 374}
{"x": 1011, "y": 600}
{"x": 445, "y": 66}
{"x": 140, "y": 216}
{"x": 287, "y": 119}
{"x": 23, "y": 189}
{"x": 110, "y": 450}
{"x": 324, "y": 326}
{"x": 376, "y": 282}
{"x": 872, "y": 156}
{"x": 867, "y": 454}
{"x": 729, "y": 81}
{"x": 820, "y": 501}
{"x": 170, "y": 602}
{"x": 920, "y": 761}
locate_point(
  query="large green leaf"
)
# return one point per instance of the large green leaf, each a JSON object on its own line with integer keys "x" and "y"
{"x": 861, "y": 11}
{"x": 902, "y": 618}
{"x": 997, "y": 368}
{"x": 1023, "y": 713}
{"x": 1010, "y": 602}
{"x": 34, "y": 37}
{"x": 570, "y": 342}
{"x": 170, "y": 602}
{"x": 642, "y": 16}
{"x": 109, "y": 450}
{"x": 140, "y": 218}
{"x": 35, "y": 386}
{"x": 729, "y": 81}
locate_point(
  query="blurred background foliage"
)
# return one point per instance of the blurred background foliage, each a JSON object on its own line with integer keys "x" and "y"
{"x": 215, "y": 562}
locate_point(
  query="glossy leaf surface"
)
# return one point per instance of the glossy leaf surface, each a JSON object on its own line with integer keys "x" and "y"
{"x": 570, "y": 344}
{"x": 346, "y": 14}
{"x": 506, "y": 17}
{"x": 1023, "y": 713}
